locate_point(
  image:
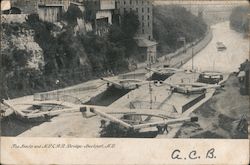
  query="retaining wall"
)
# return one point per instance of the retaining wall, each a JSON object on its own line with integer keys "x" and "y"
{"x": 193, "y": 102}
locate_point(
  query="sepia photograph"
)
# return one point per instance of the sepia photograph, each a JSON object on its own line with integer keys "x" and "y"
{"x": 125, "y": 69}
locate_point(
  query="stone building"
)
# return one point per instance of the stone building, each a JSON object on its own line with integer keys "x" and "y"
{"x": 144, "y": 36}
{"x": 144, "y": 9}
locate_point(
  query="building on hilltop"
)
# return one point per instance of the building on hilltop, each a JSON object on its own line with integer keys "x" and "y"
{"x": 52, "y": 10}
{"x": 99, "y": 13}
{"x": 20, "y": 6}
{"x": 144, "y": 36}
{"x": 48, "y": 10}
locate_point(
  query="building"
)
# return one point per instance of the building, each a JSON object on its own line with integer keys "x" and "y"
{"x": 52, "y": 10}
{"x": 144, "y": 36}
{"x": 21, "y": 6}
{"x": 144, "y": 10}
{"x": 244, "y": 77}
{"x": 147, "y": 47}
{"x": 48, "y": 10}
{"x": 97, "y": 12}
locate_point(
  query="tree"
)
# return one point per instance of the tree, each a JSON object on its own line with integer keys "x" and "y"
{"x": 239, "y": 20}
{"x": 20, "y": 57}
{"x": 72, "y": 14}
{"x": 130, "y": 24}
{"x": 123, "y": 35}
{"x": 7, "y": 62}
{"x": 115, "y": 34}
{"x": 172, "y": 22}
{"x": 115, "y": 57}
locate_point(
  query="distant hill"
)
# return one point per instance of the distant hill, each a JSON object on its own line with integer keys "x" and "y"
{"x": 172, "y": 22}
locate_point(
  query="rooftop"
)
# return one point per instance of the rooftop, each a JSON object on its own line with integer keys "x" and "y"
{"x": 143, "y": 42}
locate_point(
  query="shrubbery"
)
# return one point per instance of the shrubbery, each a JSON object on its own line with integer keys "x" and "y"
{"x": 239, "y": 19}
{"x": 172, "y": 22}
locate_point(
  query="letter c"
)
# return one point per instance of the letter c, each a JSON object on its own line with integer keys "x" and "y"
{"x": 192, "y": 155}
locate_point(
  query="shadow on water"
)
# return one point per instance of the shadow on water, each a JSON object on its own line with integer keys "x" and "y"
{"x": 109, "y": 96}
{"x": 11, "y": 126}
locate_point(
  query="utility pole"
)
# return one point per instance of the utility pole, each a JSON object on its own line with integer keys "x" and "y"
{"x": 149, "y": 84}
{"x": 192, "y": 56}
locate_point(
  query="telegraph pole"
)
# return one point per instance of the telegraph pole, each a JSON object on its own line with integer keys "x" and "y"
{"x": 149, "y": 84}
{"x": 192, "y": 57}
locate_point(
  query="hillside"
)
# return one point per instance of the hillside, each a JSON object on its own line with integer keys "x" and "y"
{"x": 39, "y": 56}
{"x": 239, "y": 20}
{"x": 172, "y": 22}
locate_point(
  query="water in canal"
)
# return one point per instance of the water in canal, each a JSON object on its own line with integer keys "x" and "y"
{"x": 109, "y": 96}
{"x": 225, "y": 61}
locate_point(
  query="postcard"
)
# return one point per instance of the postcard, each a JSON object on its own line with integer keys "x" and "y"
{"x": 125, "y": 82}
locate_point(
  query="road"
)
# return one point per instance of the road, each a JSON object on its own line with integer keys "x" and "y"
{"x": 225, "y": 61}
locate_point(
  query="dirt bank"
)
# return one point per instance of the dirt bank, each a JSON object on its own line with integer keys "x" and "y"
{"x": 219, "y": 117}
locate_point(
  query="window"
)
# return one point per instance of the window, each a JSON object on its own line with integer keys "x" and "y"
{"x": 142, "y": 24}
{"x": 137, "y": 9}
{"x": 143, "y": 31}
{"x": 148, "y": 9}
{"x": 124, "y": 2}
{"x": 142, "y": 17}
{"x": 142, "y": 9}
{"x": 137, "y": 2}
{"x": 148, "y": 24}
{"x": 148, "y": 17}
{"x": 130, "y": 2}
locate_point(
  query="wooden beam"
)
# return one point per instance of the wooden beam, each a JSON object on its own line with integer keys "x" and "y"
{"x": 110, "y": 117}
{"x": 164, "y": 122}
